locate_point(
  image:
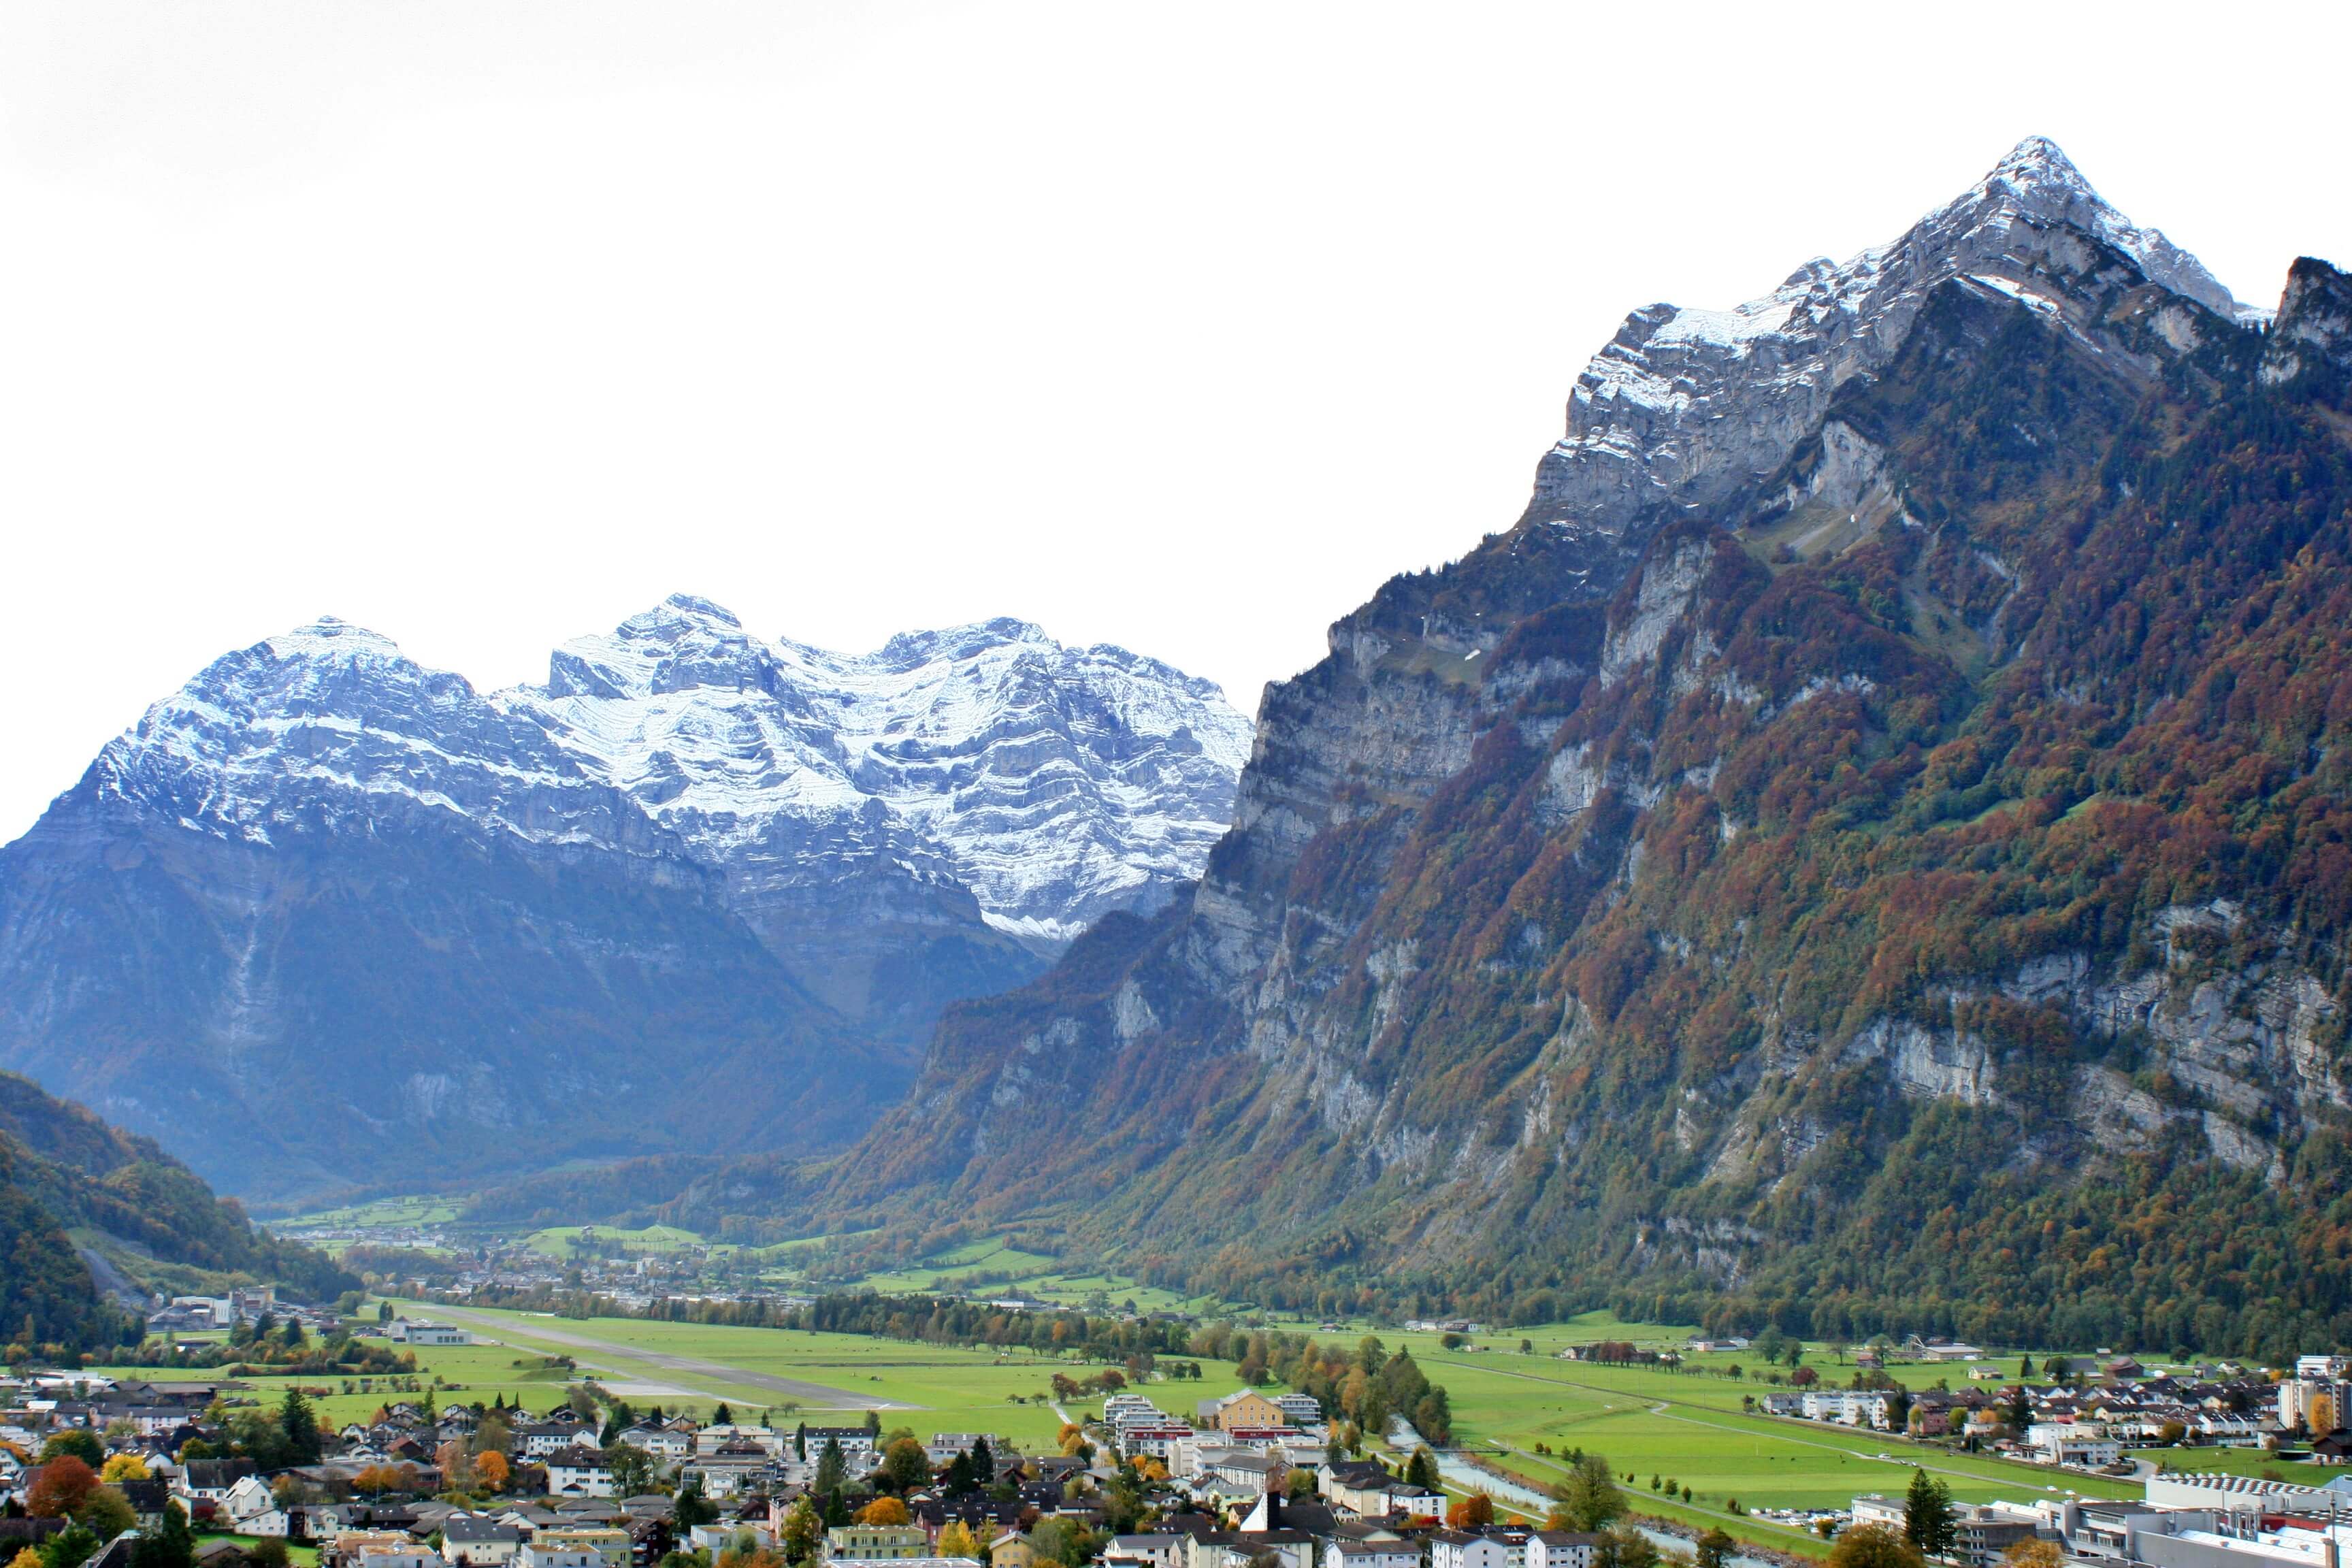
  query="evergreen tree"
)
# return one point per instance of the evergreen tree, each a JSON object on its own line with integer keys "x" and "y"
{"x": 171, "y": 1547}
{"x": 723, "y": 1416}
{"x": 830, "y": 1468}
{"x": 692, "y": 1507}
{"x": 299, "y": 1422}
{"x": 70, "y": 1548}
{"x": 1927, "y": 1514}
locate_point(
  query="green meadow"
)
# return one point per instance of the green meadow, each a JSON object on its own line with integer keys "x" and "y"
{"x": 658, "y": 1240}
{"x": 414, "y": 1210}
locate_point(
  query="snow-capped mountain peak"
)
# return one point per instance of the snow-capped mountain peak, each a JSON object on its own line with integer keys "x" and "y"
{"x": 2038, "y": 183}
{"x": 1054, "y": 782}
{"x": 1050, "y": 784}
{"x": 680, "y": 644}
{"x": 1683, "y": 406}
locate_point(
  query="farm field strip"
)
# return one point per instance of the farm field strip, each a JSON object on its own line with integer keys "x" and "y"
{"x": 929, "y": 1387}
{"x": 1662, "y": 1430}
{"x": 720, "y": 1372}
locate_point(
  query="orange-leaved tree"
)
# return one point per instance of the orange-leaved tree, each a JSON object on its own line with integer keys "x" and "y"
{"x": 65, "y": 1485}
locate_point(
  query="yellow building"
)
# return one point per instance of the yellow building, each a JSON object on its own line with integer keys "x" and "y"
{"x": 875, "y": 1543}
{"x": 1245, "y": 1409}
{"x": 613, "y": 1546}
{"x": 1012, "y": 1551}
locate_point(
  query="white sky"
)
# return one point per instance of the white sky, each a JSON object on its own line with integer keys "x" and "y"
{"x": 1177, "y": 326}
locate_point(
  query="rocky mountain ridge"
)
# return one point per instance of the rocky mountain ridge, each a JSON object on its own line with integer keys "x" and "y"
{"x": 1866, "y": 850}
{"x": 780, "y": 862}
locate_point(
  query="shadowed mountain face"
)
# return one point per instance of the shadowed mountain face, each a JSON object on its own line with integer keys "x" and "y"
{"x": 326, "y": 918}
{"x": 1871, "y": 848}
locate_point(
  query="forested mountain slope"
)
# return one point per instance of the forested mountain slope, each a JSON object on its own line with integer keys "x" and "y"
{"x": 81, "y": 1201}
{"x": 1871, "y": 848}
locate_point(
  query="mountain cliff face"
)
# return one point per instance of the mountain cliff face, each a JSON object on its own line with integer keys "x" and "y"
{"x": 88, "y": 1214}
{"x": 325, "y": 917}
{"x": 1872, "y": 848}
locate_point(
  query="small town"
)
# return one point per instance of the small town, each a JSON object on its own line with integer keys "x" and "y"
{"x": 118, "y": 1472}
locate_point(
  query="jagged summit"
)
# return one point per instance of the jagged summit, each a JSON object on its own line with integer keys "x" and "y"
{"x": 2035, "y": 161}
{"x": 2038, "y": 183}
{"x": 1685, "y": 406}
{"x": 910, "y": 649}
{"x": 1052, "y": 782}
{"x": 329, "y": 639}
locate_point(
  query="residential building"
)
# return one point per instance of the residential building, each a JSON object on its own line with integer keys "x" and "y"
{"x": 2072, "y": 1444}
{"x": 1161, "y": 1443}
{"x": 1878, "y": 1508}
{"x": 536, "y": 1556}
{"x": 1243, "y": 1408}
{"x": 1848, "y": 1407}
{"x": 468, "y": 1541}
{"x": 874, "y": 1542}
{"x": 856, "y": 1444}
{"x": 247, "y": 1498}
{"x": 578, "y": 1471}
{"x": 944, "y": 1447}
{"x": 1560, "y": 1549}
{"x": 1459, "y": 1549}
{"x": 1144, "y": 1552}
{"x": 2315, "y": 1406}
{"x": 665, "y": 1444}
{"x": 377, "y": 1547}
{"x": 611, "y": 1544}
{"x": 1300, "y": 1409}
{"x": 1364, "y": 1487}
{"x": 1375, "y": 1552}
{"x": 1981, "y": 1533}
{"x": 717, "y": 1538}
{"x": 537, "y": 1439}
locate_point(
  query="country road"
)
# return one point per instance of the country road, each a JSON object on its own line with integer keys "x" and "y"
{"x": 633, "y": 1363}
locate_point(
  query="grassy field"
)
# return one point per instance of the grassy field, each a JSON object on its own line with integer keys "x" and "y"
{"x": 307, "y": 1556}
{"x": 946, "y": 1389}
{"x": 658, "y": 1240}
{"x": 1690, "y": 1427}
{"x": 382, "y": 1212}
